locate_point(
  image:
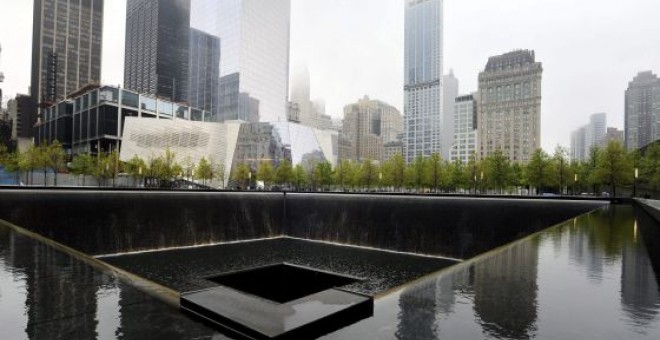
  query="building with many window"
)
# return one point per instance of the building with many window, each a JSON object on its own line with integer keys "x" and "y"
{"x": 423, "y": 60}
{"x": 158, "y": 48}
{"x": 66, "y": 49}
{"x": 465, "y": 128}
{"x": 102, "y": 119}
{"x": 254, "y": 68}
{"x": 642, "y": 118}
{"x": 369, "y": 125}
{"x": 509, "y": 114}
{"x": 449, "y": 95}
{"x": 204, "y": 72}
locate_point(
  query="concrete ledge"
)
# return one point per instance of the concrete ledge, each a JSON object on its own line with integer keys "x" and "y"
{"x": 652, "y": 207}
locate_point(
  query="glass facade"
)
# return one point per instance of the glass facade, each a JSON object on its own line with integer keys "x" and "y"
{"x": 157, "y": 48}
{"x": 96, "y": 118}
{"x": 423, "y": 78}
{"x": 204, "y": 72}
{"x": 254, "y": 67}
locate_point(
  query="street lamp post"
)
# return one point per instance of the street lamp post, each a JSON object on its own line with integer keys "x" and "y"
{"x": 575, "y": 185}
{"x": 635, "y": 182}
{"x": 482, "y": 182}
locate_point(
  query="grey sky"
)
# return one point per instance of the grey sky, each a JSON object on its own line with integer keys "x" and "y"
{"x": 590, "y": 49}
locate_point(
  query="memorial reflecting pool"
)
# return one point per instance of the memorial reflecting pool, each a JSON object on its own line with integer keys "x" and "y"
{"x": 592, "y": 277}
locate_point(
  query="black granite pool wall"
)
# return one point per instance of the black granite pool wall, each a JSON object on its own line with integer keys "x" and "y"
{"x": 108, "y": 222}
{"x": 447, "y": 226}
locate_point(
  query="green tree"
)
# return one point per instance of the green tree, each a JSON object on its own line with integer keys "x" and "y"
{"x": 590, "y": 169}
{"x": 650, "y": 166}
{"x": 203, "y": 171}
{"x": 324, "y": 174}
{"x": 497, "y": 170}
{"x": 538, "y": 170}
{"x": 473, "y": 171}
{"x": 265, "y": 173}
{"x": 435, "y": 171}
{"x": 343, "y": 173}
{"x": 83, "y": 165}
{"x": 241, "y": 174}
{"x": 614, "y": 166}
{"x": 394, "y": 172}
{"x": 368, "y": 174}
{"x": 284, "y": 172}
{"x": 560, "y": 167}
{"x": 54, "y": 158}
{"x": 416, "y": 173}
{"x": 219, "y": 170}
{"x": 299, "y": 177}
{"x": 136, "y": 167}
{"x": 455, "y": 175}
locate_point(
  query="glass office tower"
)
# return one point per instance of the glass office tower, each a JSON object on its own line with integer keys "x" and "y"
{"x": 254, "y": 67}
{"x": 423, "y": 78}
{"x": 204, "y": 72}
{"x": 157, "y": 48}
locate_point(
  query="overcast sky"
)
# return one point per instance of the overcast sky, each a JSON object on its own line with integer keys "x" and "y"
{"x": 590, "y": 50}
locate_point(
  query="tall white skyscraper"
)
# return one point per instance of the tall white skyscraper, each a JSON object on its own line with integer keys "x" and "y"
{"x": 254, "y": 66}
{"x": 449, "y": 95}
{"x": 589, "y": 136}
{"x": 423, "y": 78}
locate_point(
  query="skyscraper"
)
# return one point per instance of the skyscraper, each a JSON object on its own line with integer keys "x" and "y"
{"x": 158, "y": 48}
{"x": 368, "y": 126}
{"x": 254, "y": 67}
{"x": 642, "y": 123}
{"x": 449, "y": 94}
{"x": 66, "y": 47}
{"x": 509, "y": 116}
{"x": 465, "y": 128}
{"x": 423, "y": 59}
{"x": 204, "y": 72}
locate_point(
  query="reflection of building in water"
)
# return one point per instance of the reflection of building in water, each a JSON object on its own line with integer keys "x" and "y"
{"x": 640, "y": 296}
{"x": 505, "y": 286}
{"x": 56, "y": 308}
{"x": 418, "y": 312}
{"x": 584, "y": 249}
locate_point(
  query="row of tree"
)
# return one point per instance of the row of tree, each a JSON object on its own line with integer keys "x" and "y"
{"x": 611, "y": 167}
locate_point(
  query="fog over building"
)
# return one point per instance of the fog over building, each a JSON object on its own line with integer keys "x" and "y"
{"x": 66, "y": 50}
{"x": 510, "y": 106}
{"x": 423, "y": 60}
{"x": 254, "y": 67}
{"x": 642, "y": 118}
{"x": 592, "y": 135}
{"x": 158, "y": 48}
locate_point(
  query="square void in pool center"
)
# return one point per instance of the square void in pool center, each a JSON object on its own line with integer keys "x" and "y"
{"x": 282, "y": 282}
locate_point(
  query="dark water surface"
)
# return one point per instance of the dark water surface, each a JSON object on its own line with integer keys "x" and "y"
{"x": 589, "y": 278}
{"x": 189, "y": 269}
{"x": 593, "y": 277}
{"x": 45, "y": 294}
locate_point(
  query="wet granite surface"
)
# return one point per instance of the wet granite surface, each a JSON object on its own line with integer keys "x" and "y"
{"x": 189, "y": 269}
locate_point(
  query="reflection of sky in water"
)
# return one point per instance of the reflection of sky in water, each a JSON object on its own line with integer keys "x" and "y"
{"x": 591, "y": 278}
{"x": 13, "y": 294}
{"x": 301, "y": 140}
